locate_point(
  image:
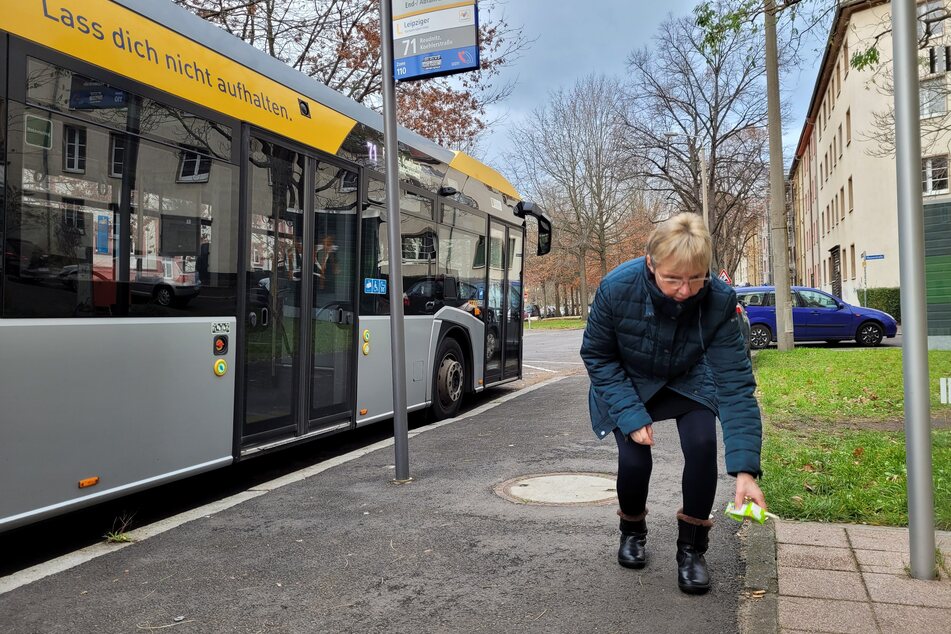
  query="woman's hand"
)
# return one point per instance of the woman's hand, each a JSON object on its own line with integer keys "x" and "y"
{"x": 746, "y": 487}
{"x": 644, "y": 435}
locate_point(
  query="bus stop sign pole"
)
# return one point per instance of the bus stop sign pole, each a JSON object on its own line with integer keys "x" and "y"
{"x": 394, "y": 245}
{"x": 911, "y": 238}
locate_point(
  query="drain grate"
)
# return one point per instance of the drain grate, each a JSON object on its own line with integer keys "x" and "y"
{"x": 560, "y": 489}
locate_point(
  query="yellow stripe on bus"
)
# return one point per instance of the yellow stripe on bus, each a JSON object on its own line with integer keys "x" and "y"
{"x": 119, "y": 40}
{"x": 471, "y": 167}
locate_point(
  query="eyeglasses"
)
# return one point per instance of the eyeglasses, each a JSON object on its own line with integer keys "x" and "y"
{"x": 677, "y": 282}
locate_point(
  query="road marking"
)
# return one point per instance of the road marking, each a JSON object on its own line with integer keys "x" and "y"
{"x": 71, "y": 560}
{"x": 556, "y": 362}
{"x": 535, "y": 367}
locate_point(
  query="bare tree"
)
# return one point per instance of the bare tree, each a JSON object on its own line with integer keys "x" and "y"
{"x": 337, "y": 42}
{"x": 572, "y": 159}
{"x": 687, "y": 97}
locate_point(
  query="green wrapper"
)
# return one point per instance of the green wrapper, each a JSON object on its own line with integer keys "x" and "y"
{"x": 750, "y": 510}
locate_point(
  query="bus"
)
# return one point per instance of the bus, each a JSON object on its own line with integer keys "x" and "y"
{"x": 195, "y": 265}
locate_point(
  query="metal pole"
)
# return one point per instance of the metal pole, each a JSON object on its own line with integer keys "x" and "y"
{"x": 391, "y": 159}
{"x": 778, "y": 240}
{"x": 911, "y": 239}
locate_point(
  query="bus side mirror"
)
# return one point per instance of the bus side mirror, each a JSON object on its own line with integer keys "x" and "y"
{"x": 527, "y": 208}
{"x": 544, "y": 235}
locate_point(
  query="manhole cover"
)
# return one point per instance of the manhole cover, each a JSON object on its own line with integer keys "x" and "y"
{"x": 560, "y": 489}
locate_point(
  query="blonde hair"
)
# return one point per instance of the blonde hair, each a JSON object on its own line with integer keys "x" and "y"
{"x": 681, "y": 241}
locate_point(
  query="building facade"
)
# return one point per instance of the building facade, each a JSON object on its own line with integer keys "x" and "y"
{"x": 843, "y": 180}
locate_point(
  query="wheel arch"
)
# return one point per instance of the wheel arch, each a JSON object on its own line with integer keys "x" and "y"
{"x": 462, "y": 337}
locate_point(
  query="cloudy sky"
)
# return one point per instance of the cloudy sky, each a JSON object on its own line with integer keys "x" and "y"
{"x": 574, "y": 39}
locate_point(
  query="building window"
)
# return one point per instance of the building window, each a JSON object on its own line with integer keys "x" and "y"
{"x": 193, "y": 167}
{"x": 848, "y": 126}
{"x": 934, "y": 175}
{"x": 840, "y": 140}
{"x": 844, "y": 263}
{"x": 116, "y": 154}
{"x": 933, "y": 98}
{"x": 838, "y": 80}
{"x": 74, "y": 152}
{"x": 73, "y": 217}
{"x": 842, "y": 200}
{"x": 852, "y": 258}
{"x": 928, "y": 18}
{"x": 848, "y": 62}
{"x": 938, "y": 57}
{"x": 851, "y": 199}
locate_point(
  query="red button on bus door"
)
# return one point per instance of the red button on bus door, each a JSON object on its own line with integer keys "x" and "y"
{"x": 221, "y": 345}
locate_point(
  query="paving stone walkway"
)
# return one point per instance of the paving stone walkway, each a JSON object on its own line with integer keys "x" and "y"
{"x": 851, "y": 578}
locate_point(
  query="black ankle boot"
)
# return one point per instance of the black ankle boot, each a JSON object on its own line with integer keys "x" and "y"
{"x": 633, "y": 550}
{"x": 692, "y": 574}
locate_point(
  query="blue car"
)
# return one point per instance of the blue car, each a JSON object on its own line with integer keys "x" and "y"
{"x": 817, "y": 316}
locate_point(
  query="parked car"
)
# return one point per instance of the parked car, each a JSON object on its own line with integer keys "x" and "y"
{"x": 744, "y": 326}
{"x": 817, "y": 316}
{"x": 22, "y": 258}
{"x": 531, "y": 310}
{"x": 164, "y": 279}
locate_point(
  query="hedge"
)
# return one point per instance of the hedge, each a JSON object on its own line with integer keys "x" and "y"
{"x": 887, "y": 299}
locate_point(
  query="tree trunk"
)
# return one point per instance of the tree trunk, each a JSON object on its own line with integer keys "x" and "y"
{"x": 582, "y": 286}
{"x": 557, "y": 301}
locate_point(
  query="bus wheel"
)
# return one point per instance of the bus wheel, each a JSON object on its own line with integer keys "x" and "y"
{"x": 449, "y": 380}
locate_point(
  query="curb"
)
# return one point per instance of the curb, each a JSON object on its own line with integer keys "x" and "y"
{"x": 759, "y": 602}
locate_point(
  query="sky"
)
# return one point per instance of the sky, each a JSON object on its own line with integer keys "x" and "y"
{"x": 573, "y": 39}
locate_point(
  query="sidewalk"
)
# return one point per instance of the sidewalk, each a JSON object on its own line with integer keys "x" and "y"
{"x": 842, "y": 578}
{"x": 340, "y": 548}
{"x": 345, "y": 550}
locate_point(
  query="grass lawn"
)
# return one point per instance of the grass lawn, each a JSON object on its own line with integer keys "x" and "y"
{"x": 834, "y": 449}
{"x": 552, "y": 323}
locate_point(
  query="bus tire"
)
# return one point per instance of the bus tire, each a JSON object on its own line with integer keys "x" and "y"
{"x": 449, "y": 379}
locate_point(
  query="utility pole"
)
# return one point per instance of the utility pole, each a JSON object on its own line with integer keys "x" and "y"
{"x": 778, "y": 240}
{"x": 911, "y": 242}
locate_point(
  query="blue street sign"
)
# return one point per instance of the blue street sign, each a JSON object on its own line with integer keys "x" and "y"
{"x": 374, "y": 286}
{"x": 875, "y": 256}
{"x": 102, "y": 234}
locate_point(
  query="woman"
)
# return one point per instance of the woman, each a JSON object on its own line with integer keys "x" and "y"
{"x": 662, "y": 342}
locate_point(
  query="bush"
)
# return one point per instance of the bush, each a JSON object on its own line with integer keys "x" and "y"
{"x": 887, "y": 299}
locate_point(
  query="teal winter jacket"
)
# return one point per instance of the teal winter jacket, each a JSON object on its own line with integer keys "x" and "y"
{"x": 638, "y": 341}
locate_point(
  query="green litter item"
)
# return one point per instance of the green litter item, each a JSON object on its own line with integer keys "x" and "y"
{"x": 750, "y": 510}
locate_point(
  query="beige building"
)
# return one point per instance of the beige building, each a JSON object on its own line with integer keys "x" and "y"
{"x": 843, "y": 178}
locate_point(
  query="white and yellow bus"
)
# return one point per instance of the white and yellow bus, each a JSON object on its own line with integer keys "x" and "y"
{"x": 195, "y": 264}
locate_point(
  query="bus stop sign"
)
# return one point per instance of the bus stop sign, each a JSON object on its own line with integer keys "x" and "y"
{"x": 440, "y": 39}
{"x": 724, "y": 276}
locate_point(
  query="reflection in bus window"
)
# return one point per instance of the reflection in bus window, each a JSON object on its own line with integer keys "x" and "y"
{"x": 86, "y": 195}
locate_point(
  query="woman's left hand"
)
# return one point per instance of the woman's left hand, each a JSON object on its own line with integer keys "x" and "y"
{"x": 746, "y": 488}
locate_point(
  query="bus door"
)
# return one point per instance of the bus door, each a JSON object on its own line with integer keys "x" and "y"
{"x": 299, "y": 315}
{"x": 333, "y": 326}
{"x": 503, "y": 320}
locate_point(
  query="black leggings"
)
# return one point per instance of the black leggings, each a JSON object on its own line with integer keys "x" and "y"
{"x": 698, "y": 441}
